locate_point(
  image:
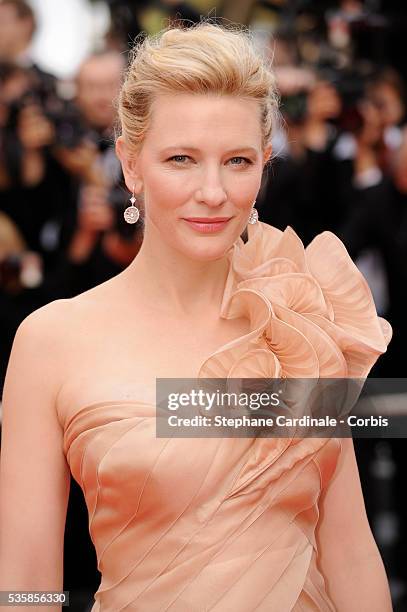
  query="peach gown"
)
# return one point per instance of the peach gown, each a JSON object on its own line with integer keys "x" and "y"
{"x": 229, "y": 525}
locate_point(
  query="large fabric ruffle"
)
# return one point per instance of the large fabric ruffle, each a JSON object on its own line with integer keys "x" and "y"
{"x": 311, "y": 311}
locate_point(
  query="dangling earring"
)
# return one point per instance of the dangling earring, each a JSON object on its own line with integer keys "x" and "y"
{"x": 254, "y": 215}
{"x": 132, "y": 213}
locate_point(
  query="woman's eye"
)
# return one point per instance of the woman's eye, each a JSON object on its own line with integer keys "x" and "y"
{"x": 180, "y": 158}
{"x": 246, "y": 161}
{"x": 173, "y": 158}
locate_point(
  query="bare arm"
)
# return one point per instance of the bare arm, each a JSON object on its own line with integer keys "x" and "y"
{"x": 34, "y": 475}
{"x": 349, "y": 557}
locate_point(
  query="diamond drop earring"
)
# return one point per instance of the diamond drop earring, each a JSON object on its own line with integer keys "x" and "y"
{"x": 132, "y": 213}
{"x": 254, "y": 215}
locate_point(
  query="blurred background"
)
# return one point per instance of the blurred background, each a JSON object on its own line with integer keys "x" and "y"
{"x": 340, "y": 164}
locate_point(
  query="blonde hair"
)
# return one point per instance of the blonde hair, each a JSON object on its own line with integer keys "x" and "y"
{"x": 203, "y": 58}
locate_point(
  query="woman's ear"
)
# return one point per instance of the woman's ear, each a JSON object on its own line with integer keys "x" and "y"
{"x": 267, "y": 154}
{"x": 129, "y": 162}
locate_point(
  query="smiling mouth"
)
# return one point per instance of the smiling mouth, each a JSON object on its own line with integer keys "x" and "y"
{"x": 206, "y": 225}
{"x": 207, "y": 219}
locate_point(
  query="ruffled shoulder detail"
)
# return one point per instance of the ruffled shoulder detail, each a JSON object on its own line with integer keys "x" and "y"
{"x": 311, "y": 311}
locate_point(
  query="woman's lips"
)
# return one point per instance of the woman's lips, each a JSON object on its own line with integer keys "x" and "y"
{"x": 206, "y": 225}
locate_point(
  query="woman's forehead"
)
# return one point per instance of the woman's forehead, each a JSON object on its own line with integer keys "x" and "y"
{"x": 183, "y": 113}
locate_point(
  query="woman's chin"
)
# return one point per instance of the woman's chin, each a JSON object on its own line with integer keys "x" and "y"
{"x": 206, "y": 252}
{"x": 208, "y": 246}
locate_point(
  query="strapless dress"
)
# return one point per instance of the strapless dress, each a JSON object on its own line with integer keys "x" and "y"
{"x": 229, "y": 524}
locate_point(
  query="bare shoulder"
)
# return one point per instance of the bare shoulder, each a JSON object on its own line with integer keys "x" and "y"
{"x": 57, "y": 319}
{"x": 46, "y": 318}
{"x": 48, "y": 342}
{"x": 38, "y": 346}
{"x": 51, "y": 334}
{"x": 42, "y": 328}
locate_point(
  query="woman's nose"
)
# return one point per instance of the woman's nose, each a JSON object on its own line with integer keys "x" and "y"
{"x": 212, "y": 191}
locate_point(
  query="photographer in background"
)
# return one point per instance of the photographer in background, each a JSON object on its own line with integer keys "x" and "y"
{"x": 17, "y": 28}
{"x": 97, "y": 241}
{"x": 35, "y": 187}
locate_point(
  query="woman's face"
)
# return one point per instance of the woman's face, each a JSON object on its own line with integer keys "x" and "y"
{"x": 388, "y": 102}
{"x": 201, "y": 159}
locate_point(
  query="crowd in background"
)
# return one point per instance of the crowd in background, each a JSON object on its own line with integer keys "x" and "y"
{"x": 339, "y": 159}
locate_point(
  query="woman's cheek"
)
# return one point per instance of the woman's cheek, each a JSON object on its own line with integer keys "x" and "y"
{"x": 245, "y": 188}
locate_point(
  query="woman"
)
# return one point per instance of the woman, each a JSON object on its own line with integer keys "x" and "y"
{"x": 193, "y": 524}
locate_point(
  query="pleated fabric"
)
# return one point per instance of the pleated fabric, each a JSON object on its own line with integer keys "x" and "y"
{"x": 229, "y": 524}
